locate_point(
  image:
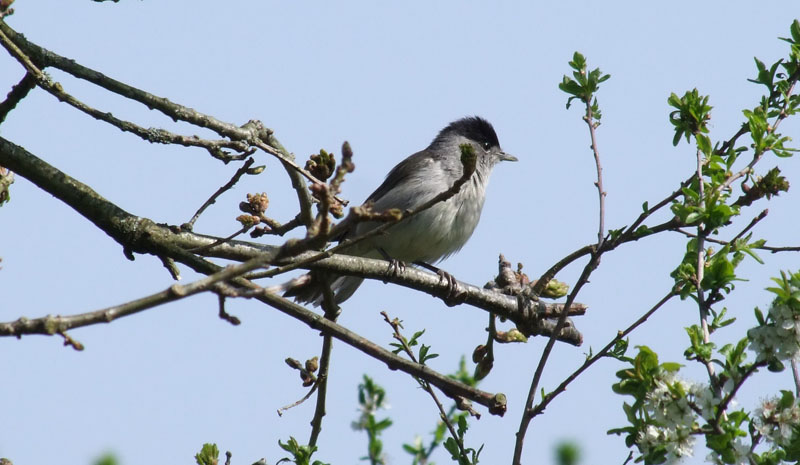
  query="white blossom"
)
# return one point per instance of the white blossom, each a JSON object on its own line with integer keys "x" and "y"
{"x": 776, "y": 424}
{"x": 706, "y": 401}
{"x": 741, "y": 454}
{"x": 672, "y": 415}
{"x": 780, "y": 337}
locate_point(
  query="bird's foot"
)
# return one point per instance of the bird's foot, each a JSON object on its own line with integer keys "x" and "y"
{"x": 396, "y": 267}
{"x": 454, "y": 296}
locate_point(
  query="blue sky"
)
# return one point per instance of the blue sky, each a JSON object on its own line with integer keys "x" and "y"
{"x": 386, "y": 77}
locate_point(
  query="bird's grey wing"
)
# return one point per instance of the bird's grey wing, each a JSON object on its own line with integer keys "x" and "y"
{"x": 399, "y": 174}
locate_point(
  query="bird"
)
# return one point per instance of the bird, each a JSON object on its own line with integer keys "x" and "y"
{"x": 433, "y": 234}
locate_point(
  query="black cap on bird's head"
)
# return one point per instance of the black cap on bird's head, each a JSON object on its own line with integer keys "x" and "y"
{"x": 473, "y": 128}
{"x": 477, "y": 130}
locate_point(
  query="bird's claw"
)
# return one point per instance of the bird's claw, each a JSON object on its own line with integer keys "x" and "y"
{"x": 396, "y": 267}
{"x": 454, "y": 295}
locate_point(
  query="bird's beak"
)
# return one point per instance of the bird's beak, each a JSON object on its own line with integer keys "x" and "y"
{"x": 506, "y": 157}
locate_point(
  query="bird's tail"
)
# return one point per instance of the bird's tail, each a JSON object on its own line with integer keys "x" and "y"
{"x": 308, "y": 288}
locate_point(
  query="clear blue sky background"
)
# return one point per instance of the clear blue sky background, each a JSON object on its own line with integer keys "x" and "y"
{"x": 152, "y": 388}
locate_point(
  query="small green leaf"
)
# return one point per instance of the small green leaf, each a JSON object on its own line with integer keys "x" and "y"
{"x": 208, "y": 455}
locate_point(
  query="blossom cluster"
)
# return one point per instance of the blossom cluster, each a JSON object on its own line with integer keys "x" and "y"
{"x": 668, "y": 406}
{"x": 777, "y": 421}
{"x": 779, "y": 336}
{"x": 674, "y": 406}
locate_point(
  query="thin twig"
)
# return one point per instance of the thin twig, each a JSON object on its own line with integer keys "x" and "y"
{"x": 332, "y": 312}
{"x": 735, "y": 238}
{"x": 527, "y": 414}
{"x": 702, "y": 304}
{"x": 540, "y": 407}
{"x": 68, "y": 341}
{"x": 304, "y": 200}
{"x": 771, "y": 129}
{"x": 227, "y": 186}
{"x": 723, "y": 405}
{"x": 301, "y": 400}
{"x": 153, "y": 135}
{"x": 223, "y": 314}
{"x": 752, "y": 223}
{"x": 395, "y": 325}
{"x": 608, "y": 245}
{"x": 173, "y": 270}
{"x": 601, "y": 193}
{"x": 594, "y": 262}
{"x": 220, "y": 241}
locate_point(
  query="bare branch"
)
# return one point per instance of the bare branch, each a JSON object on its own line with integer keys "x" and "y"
{"x": 144, "y": 236}
{"x": 594, "y": 262}
{"x": 226, "y": 187}
{"x": 332, "y": 312}
{"x": 17, "y": 93}
{"x": 153, "y": 135}
{"x": 539, "y": 408}
{"x": 601, "y": 193}
{"x": 242, "y": 138}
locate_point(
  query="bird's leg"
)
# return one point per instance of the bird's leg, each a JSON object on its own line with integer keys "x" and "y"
{"x": 395, "y": 266}
{"x": 453, "y": 294}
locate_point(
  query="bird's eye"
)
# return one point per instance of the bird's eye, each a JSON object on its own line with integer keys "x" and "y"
{"x": 486, "y": 145}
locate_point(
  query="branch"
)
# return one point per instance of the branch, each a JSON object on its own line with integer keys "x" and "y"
{"x": 17, "y": 93}
{"x": 539, "y": 408}
{"x": 601, "y": 193}
{"x": 630, "y": 235}
{"x": 153, "y": 135}
{"x": 250, "y": 134}
{"x": 395, "y": 325}
{"x": 50, "y": 325}
{"x": 771, "y": 129}
{"x": 142, "y": 235}
{"x": 525, "y": 314}
{"x": 594, "y": 262}
{"x": 226, "y": 187}
{"x": 332, "y": 312}
{"x": 702, "y": 304}
{"x": 527, "y": 414}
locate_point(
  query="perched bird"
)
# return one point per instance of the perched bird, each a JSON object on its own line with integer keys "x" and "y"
{"x": 435, "y": 233}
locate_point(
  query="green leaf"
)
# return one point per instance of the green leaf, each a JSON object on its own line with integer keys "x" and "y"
{"x": 451, "y": 446}
{"x": 578, "y": 61}
{"x": 412, "y": 450}
{"x": 208, "y": 455}
{"x": 106, "y": 459}
{"x": 760, "y": 317}
{"x": 704, "y": 144}
{"x": 463, "y": 426}
{"x": 568, "y": 453}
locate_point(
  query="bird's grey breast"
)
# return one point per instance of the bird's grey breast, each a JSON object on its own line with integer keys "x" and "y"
{"x": 439, "y": 231}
